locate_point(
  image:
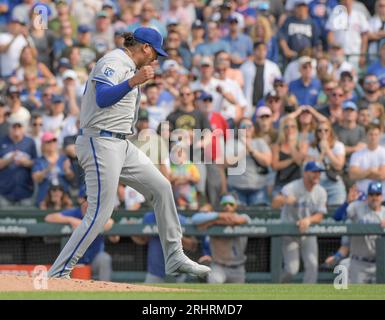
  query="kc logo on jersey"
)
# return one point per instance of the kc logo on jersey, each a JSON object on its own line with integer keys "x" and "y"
{"x": 109, "y": 72}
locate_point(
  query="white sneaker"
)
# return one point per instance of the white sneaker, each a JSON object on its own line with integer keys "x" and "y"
{"x": 192, "y": 268}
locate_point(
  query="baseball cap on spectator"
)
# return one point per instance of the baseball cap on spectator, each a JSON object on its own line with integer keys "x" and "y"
{"x": 349, "y": 105}
{"x": 143, "y": 114}
{"x": 233, "y": 18}
{"x": 375, "y": 187}
{"x": 263, "y": 6}
{"x": 206, "y": 61}
{"x": 278, "y": 80}
{"x": 272, "y": 94}
{"x": 14, "y": 119}
{"x": 70, "y": 74}
{"x": 228, "y": 199}
{"x": 84, "y": 28}
{"x": 170, "y": 64}
{"x": 57, "y": 98}
{"x": 13, "y": 89}
{"x": 205, "y": 96}
{"x": 172, "y": 22}
{"x": 108, "y": 4}
{"x": 313, "y": 166}
{"x": 151, "y": 37}
{"x": 346, "y": 74}
{"x": 48, "y": 136}
{"x": 39, "y": 5}
{"x": 263, "y": 111}
{"x": 18, "y": 20}
{"x": 64, "y": 63}
{"x": 301, "y": 2}
{"x": 102, "y": 14}
{"x": 304, "y": 60}
{"x": 197, "y": 25}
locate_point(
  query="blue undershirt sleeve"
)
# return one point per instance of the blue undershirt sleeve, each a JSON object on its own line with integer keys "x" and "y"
{"x": 107, "y": 95}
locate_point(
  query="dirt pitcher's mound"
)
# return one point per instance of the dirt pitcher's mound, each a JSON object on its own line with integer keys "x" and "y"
{"x": 25, "y": 283}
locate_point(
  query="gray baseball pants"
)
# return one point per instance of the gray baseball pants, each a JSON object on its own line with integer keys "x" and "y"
{"x": 222, "y": 274}
{"x": 362, "y": 271}
{"x": 308, "y": 248}
{"x": 106, "y": 161}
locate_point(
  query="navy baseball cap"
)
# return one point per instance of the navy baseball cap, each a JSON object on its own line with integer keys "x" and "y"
{"x": 349, "y": 105}
{"x": 205, "y": 96}
{"x": 57, "y": 99}
{"x": 83, "y": 28}
{"x": 151, "y": 37}
{"x": 313, "y": 166}
{"x": 375, "y": 187}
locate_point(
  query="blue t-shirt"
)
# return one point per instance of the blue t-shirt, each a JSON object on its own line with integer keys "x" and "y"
{"x": 155, "y": 259}
{"x": 16, "y": 181}
{"x": 378, "y": 69}
{"x": 242, "y": 45}
{"x": 306, "y": 94}
{"x": 320, "y": 11}
{"x": 211, "y": 48}
{"x": 96, "y": 246}
{"x": 57, "y": 177}
{"x": 299, "y": 34}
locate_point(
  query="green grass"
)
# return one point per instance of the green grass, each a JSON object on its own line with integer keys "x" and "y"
{"x": 222, "y": 292}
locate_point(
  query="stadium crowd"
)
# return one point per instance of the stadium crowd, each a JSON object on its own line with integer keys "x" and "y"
{"x": 305, "y": 80}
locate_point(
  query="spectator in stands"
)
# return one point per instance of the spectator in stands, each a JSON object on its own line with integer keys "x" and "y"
{"x": 306, "y": 88}
{"x": 65, "y": 39}
{"x": 364, "y": 118}
{"x": 338, "y": 61}
{"x": 87, "y": 49}
{"x": 17, "y": 154}
{"x": 147, "y": 18}
{"x": 103, "y": 34}
{"x": 378, "y": 67}
{"x": 30, "y": 96}
{"x": 184, "y": 177}
{"x": 228, "y": 253}
{"x": 53, "y": 120}
{"x": 288, "y": 154}
{"x": 174, "y": 41}
{"x": 298, "y": 32}
{"x": 262, "y": 31}
{"x": 376, "y": 33}
{"x": 36, "y": 131}
{"x": 368, "y": 164}
{"x": 348, "y": 85}
{"x": 264, "y": 125}
{"x": 259, "y": 74}
{"x": 155, "y": 259}
{"x": 12, "y": 43}
{"x": 254, "y": 155}
{"x": 352, "y": 35}
{"x": 274, "y": 102}
{"x": 307, "y": 118}
{"x": 42, "y": 40}
{"x": 56, "y": 199}
{"x": 334, "y": 108}
{"x": 303, "y": 202}
{"x": 197, "y": 37}
{"x": 96, "y": 256}
{"x": 231, "y": 73}
{"x": 51, "y": 168}
{"x": 28, "y": 61}
{"x": 377, "y": 114}
{"x": 214, "y": 43}
{"x": 287, "y": 99}
{"x": 241, "y": 45}
{"x": 15, "y": 106}
{"x": 326, "y": 149}
{"x": 349, "y": 132}
{"x": 214, "y": 152}
{"x": 372, "y": 92}
{"x": 293, "y": 72}
{"x": 63, "y": 15}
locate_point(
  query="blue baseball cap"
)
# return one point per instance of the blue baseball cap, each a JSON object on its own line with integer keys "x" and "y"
{"x": 205, "y": 96}
{"x": 349, "y": 105}
{"x": 83, "y": 28}
{"x": 375, "y": 187}
{"x": 151, "y": 37}
{"x": 313, "y": 166}
{"x": 228, "y": 198}
{"x": 57, "y": 99}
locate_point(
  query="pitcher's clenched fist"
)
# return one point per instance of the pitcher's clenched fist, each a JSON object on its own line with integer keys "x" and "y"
{"x": 143, "y": 75}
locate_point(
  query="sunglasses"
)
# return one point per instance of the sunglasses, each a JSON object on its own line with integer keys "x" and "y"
{"x": 246, "y": 126}
{"x": 322, "y": 130}
{"x": 291, "y": 126}
{"x": 51, "y": 141}
{"x": 370, "y": 81}
{"x": 375, "y": 194}
{"x": 208, "y": 100}
{"x": 265, "y": 116}
{"x": 228, "y": 204}
{"x": 272, "y": 100}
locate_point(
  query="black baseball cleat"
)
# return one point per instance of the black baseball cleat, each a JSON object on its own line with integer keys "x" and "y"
{"x": 192, "y": 268}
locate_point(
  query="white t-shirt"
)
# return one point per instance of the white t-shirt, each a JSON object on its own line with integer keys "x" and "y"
{"x": 347, "y": 30}
{"x": 338, "y": 150}
{"x": 375, "y": 25}
{"x": 53, "y": 124}
{"x": 10, "y": 60}
{"x": 365, "y": 159}
{"x": 132, "y": 197}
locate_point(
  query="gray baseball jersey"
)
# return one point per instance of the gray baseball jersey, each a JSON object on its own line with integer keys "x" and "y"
{"x": 307, "y": 204}
{"x": 359, "y": 212}
{"x": 113, "y": 68}
{"x": 229, "y": 251}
